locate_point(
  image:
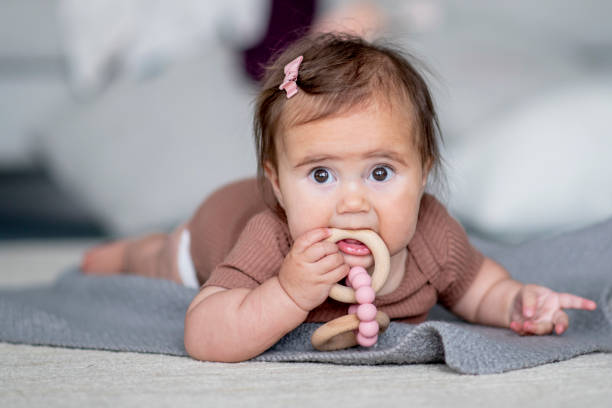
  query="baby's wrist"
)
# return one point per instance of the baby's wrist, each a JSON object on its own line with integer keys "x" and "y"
{"x": 514, "y": 290}
{"x": 286, "y": 293}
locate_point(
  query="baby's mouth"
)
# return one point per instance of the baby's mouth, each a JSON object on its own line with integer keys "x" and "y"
{"x": 353, "y": 247}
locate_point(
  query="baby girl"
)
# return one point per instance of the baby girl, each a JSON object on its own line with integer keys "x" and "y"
{"x": 346, "y": 137}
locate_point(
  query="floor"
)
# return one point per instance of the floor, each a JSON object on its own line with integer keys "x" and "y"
{"x": 36, "y": 376}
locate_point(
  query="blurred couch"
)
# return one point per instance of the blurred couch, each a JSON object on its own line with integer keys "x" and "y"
{"x": 32, "y": 75}
{"x": 522, "y": 90}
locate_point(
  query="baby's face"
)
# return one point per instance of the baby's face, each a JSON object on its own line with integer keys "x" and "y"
{"x": 360, "y": 170}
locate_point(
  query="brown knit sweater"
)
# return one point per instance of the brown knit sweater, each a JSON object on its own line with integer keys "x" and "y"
{"x": 237, "y": 242}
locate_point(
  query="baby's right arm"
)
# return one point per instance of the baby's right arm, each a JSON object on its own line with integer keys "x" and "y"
{"x": 238, "y": 324}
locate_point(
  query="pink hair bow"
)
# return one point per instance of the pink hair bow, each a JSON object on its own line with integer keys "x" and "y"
{"x": 291, "y": 74}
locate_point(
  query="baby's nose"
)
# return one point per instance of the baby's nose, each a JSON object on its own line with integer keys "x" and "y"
{"x": 353, "y": 199}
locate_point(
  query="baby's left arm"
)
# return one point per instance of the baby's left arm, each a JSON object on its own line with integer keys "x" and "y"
{"x": 495, "y": 299}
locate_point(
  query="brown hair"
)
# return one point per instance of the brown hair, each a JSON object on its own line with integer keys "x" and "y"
{"x": 338, "y": 73}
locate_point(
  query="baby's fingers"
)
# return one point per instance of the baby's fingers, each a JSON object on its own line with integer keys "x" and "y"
{"x": 320, "y": 250}
{"x": 517, "y": 327}
{"x": 310, "y": 238}
{"x": 569, "y": 301}
{"x": 561, "y": 321}
{"x": 530, "y": 301}
{"x": 532, "y": 327}
{"x": 330, "y": 266}
{"x": 338, "y": 273}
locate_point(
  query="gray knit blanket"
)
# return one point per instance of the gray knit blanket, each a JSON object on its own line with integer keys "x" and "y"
{"x": 130, "y": 313}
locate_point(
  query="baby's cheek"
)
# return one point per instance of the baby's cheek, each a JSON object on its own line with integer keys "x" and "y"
{"x": 398, "y": 240}
{"x": 398, "y": 230}
{"x": 305, "y": 218}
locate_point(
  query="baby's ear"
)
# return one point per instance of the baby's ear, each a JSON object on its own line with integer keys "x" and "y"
{"x": 272, "y": 176}
{"x": 426, "y": 170}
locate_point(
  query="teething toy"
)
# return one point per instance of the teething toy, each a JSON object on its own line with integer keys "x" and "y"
{"x": 381, "y": 261}
{"x": 363, "y": 322}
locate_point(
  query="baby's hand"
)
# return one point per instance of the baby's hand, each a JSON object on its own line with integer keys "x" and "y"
{"x": 311, "y": 268}
{"x": 538, "y": 310}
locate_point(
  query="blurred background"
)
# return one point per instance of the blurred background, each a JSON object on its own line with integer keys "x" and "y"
{"x": 118, "y": 117}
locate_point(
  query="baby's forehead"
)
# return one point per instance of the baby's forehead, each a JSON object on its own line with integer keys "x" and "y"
{"x": 360, "y": 133}
{"x": 307, "y": 111}
{"x": 304, "y": 107}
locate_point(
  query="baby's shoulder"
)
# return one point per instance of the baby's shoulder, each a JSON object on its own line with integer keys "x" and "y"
{"x": 266, "y": 219}
{"x": 432, "y": 213}
{"x": 268, "y": 227}
{"x": 437, "y": 231}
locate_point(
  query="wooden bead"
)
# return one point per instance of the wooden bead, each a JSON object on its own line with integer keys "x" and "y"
{"x": 338, "y": 333}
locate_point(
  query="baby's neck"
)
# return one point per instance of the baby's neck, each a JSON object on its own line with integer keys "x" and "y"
{"x": 396, "y": 272}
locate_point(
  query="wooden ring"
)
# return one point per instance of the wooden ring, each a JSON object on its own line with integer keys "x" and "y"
{"x": 339, "y": 333}
{"x": 382, "y": 261}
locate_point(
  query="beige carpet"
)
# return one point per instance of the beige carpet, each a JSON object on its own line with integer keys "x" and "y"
{"x": 58, "y": 377}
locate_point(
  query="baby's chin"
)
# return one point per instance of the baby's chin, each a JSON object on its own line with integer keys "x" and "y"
{"x": 365, "y": 261}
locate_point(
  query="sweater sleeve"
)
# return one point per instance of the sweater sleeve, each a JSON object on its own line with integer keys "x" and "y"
{"x": 256, "y": 256}
{"x": 458, "y": 261}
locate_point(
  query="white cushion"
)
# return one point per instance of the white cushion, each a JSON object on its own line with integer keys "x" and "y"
{"x": 144, "y": 154}
{"x": 542, "y": 169}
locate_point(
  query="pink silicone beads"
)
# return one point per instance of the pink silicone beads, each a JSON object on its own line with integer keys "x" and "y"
{"x": 361, "y": 282}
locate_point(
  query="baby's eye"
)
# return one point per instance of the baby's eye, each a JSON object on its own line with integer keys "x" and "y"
{"x": 382, "y": 173}
{"x": 321, "y": 175}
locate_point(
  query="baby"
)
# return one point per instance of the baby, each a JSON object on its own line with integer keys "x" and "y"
{"x": 346, "y": 137}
